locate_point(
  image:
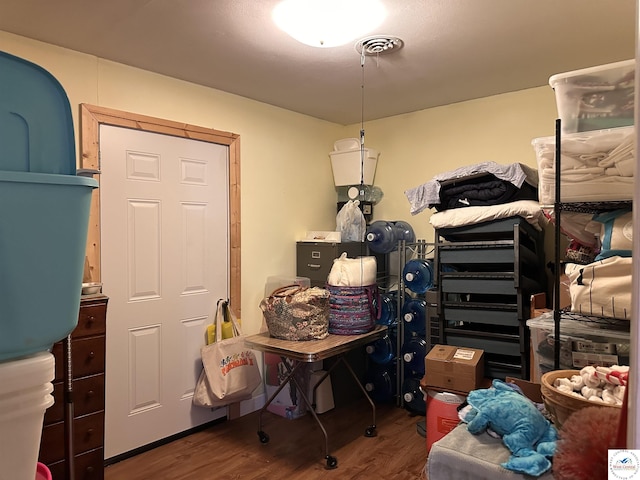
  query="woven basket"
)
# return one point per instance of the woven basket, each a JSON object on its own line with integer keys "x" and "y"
{"x": 561, "y": 405}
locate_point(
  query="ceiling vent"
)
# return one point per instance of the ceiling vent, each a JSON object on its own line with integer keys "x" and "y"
{"x": 378, "y": 45}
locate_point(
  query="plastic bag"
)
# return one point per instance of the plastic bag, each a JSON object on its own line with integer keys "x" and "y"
{"x": 352, "y": 272}
{"x": 350, "y": 222}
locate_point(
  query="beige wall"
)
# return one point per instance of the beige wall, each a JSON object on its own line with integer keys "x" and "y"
{"x": 416, "y": 146}
{"x": 286, "y": 180}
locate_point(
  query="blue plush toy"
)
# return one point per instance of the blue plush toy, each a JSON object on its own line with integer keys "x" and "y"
{"x": 530, "y": 437}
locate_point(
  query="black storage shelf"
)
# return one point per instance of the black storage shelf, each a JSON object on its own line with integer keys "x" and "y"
{"x": 488, "y": 283}
{"x": 470, "y": 256}
{"x": 488, "y": 314}
{"x": 502, "y": 229}
{"x": 486, "y": 275}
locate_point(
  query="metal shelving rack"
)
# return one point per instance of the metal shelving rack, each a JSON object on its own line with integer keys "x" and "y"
{"x": 420, "y": 249}
{"x": 582, "y": 207}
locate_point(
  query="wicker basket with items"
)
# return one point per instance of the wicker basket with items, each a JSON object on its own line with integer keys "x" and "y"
{"x": 566, "y": 391}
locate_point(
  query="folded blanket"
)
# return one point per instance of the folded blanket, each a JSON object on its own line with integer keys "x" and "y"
{"x": 485, "y": 191}
{"x": 428, "y": 194}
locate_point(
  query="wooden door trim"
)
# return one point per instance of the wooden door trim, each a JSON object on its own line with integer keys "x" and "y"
{"x": 91, "y": 117}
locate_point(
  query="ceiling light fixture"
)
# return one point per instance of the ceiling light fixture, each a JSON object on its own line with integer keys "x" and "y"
{"x": 328, "y": 23}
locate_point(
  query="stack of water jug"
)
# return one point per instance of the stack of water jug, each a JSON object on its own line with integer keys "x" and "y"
{"x": 386, "y": 237}
{"x": 44, "y": 215}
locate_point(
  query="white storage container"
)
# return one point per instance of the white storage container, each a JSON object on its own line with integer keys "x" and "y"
{"x": 580, "y": 345}
{"x": 595, "y": 166}
{"x": 352, "y": 165}
{"x": 595, "y": 98}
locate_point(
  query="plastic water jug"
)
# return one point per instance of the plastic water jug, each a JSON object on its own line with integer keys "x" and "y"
{"x": 388, "y": 309}
{"x": 418, "y": 275}
{"x": 413, "y": 352}
{"x": 414, "y": 313}
{"x": 382, "y": 351}
{"x": 413, "y": 397}
{"x": 381, "y": 236}
{"x": 380, "y": 382}
{"x": 404, "y": 231}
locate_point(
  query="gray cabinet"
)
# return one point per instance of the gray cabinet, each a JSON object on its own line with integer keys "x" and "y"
{"x": 315, "y": 259}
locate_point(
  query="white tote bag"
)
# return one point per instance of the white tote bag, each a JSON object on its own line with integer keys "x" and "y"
{"x": 230, "y": 370}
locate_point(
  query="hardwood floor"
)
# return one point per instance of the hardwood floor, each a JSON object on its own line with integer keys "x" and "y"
{"x": 296, "y": 449}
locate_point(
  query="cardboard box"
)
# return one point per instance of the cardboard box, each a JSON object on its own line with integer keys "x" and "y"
{"x": 530, "y": 389}
{"x": 454, "y": 369}
{"x": 288, "y": 403}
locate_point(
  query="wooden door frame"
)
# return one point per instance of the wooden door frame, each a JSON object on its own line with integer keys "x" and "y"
{"x": 91, "y": 117}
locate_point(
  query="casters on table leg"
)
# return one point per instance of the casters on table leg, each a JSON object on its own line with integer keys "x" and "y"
{"x": 371, "y": 431}
{"x": 264, "y": 438}
{"x": 332, "y": 462}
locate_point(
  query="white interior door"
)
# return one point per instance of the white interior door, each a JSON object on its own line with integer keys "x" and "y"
{"x": 165, "y": 262}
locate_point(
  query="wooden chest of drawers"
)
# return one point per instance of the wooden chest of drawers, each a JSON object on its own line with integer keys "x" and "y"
{"x": 73, "y": 438}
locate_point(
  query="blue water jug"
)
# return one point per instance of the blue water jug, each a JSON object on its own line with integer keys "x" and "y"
{"x": 381, "y": 236}
{"x": 388, "y": 309}
{"x": 413, "y": 352}
{"x": 382, "y": 351}
{"x": 404, "y": 231}
{"x": 418, "y": 275}
{"x": 413, "y": 396}
{"x": 380, "y": 382}
{"x": 414, "y": 315}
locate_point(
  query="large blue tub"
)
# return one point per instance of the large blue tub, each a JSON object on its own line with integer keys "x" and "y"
{"x": 43, "y": 232}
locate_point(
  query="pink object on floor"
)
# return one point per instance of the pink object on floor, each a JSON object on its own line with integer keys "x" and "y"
{"x": 42, "y": 472}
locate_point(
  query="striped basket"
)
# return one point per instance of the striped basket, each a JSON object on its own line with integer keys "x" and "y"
{"x": 352, "y": 310}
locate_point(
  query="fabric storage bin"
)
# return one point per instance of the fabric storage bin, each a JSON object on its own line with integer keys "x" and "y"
{"x": 596, "y": 166}
{"x": 595, "y": 98}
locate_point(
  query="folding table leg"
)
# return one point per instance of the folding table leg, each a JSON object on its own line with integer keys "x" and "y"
{"x": 370, "y": 431}
{"x": 332, "y": 462}
{"x": 264, "y": 438}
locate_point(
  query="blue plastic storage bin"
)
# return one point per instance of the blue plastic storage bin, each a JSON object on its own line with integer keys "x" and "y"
{"x": 43, "y": 233}
{"x": 36, "y": 126}
{"x": 44, "y": 211}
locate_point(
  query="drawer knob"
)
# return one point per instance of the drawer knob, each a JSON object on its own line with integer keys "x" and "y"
{"x": 91, "y": 318}
{"x": 90, "y": 393}
{"x": 89, "y": 469}
{"x": 92, "y": 354}
{"x": 89, "y": 432}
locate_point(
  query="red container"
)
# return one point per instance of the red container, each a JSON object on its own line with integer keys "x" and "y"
{"x": 442, "y": 414}
{"x": 42, "y": 472}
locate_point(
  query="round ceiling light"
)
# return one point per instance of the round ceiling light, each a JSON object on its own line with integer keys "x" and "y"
{"x": 328, "y": 23}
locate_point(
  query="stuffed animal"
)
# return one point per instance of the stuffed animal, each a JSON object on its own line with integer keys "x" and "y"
{"x": 529, "y": 436}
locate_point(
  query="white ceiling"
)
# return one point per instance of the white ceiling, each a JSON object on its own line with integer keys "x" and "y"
{"x": 455, "y": 50}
